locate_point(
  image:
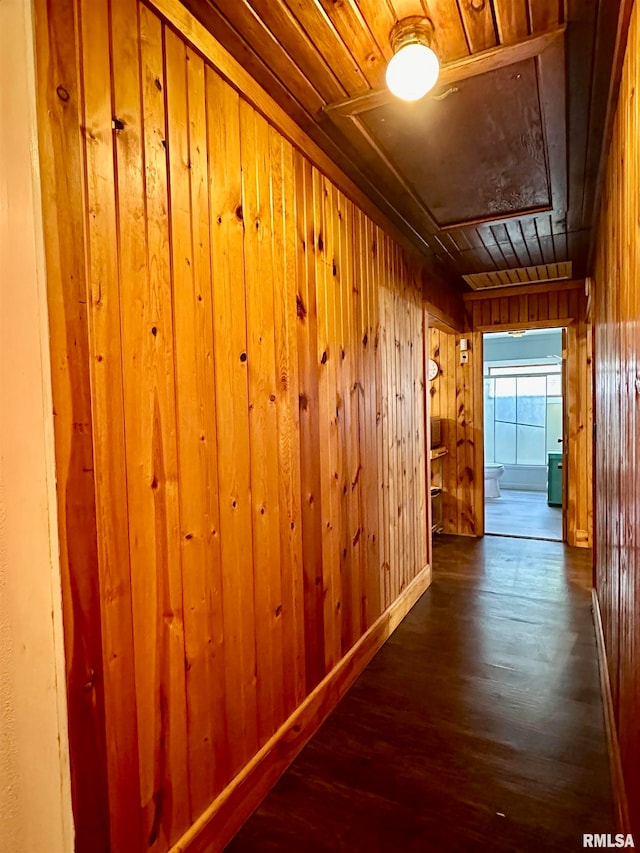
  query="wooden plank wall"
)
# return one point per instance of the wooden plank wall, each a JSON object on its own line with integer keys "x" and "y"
{"x": 454, "y": 397}
{"x": 239, "y": 388}
{"x": 616, "y": 319}
{"x": 457, "y": 396}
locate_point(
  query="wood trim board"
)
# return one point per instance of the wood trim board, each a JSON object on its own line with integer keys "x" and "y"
{"x": 613, "y": 746}
{"x": 460, "y": 69}
{"x": 523, "y": 290}
{"x": 529, "y": 324}
{"x": 217, "y": 825}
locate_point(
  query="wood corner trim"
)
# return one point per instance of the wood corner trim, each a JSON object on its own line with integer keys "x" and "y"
{"x": 453, "y": 72}
{"x": 215, "y": 828}
{"x": 613, "y": 746}
{"x": 524, "y": 290}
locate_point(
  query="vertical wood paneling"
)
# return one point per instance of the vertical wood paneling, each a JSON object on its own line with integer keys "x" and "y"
{"x": 150, "y": 429}
{"x": 105, "y": 358}
{"x": 232, "y": 395}
{"x": 455, "y": 399}
{"x": 254, "y": 425}
{"x": 309, "y": 407}
{"x": 196, "y": 427}
{"x": 616, "y": 318}
{"x": 87, "y": 618}
{"x": 327, "y": 362}
{"x": 288, "y": 416}
{"x": 256, "y": 207}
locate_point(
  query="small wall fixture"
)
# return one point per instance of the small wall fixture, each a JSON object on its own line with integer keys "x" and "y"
{"x": 414, "y": 68}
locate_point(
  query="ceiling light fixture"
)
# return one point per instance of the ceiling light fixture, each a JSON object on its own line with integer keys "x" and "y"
{"x": 413, "y": 69}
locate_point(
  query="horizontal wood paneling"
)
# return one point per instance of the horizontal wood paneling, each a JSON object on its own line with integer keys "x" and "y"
{"x": 457, "y": 396}
{"x": 249, "y": 353}
{"x": 616, "y": 318}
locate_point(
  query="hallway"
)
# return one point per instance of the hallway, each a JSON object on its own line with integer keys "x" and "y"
{"x": 477, "y": 727}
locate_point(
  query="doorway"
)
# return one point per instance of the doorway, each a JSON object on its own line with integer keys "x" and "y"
{"x": 524, "y": 433}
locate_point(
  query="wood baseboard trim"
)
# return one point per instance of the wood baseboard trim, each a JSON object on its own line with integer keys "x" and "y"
{"x": 617, "y": 777}
{"x": 213, "y": 830}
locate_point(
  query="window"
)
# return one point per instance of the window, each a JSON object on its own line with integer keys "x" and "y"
{"x": 523, "y": 413}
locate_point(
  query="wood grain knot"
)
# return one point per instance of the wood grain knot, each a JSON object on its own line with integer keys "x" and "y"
{"x": 154, "y": 331}
{"x": 243, "y": 357}
{"x": 324, "y": 358}
{"x": 63, "y": 94}
{"x": 239, "y": 213}
{"x": 158, "y": 84}
{"x": 301, "y": 310}
{"x": 478, "y": 5}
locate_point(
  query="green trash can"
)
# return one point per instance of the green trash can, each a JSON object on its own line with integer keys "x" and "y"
{"x": 554, "y": 480}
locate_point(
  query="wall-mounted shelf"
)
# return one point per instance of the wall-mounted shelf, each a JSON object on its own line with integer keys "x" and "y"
{"x": 436, "y": 453}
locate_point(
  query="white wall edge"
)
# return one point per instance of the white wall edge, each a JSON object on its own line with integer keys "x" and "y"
{"x": 35, "y": 785}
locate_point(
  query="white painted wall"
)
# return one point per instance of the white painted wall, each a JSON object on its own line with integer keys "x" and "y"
{"x": 35, "y": 801}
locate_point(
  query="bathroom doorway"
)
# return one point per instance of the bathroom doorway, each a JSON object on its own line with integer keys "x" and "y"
{"x": 523, "y": 433}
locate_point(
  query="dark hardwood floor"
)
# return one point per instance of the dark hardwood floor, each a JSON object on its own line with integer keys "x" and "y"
{"x": 477, "y": 727}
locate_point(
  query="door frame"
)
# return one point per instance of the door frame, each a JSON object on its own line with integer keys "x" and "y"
{"x": 564, "y": 325}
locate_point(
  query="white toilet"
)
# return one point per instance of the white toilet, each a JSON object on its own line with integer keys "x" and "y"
{"x": 492, "y": 473}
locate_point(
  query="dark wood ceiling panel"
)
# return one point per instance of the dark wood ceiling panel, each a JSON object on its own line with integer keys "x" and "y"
{"x": 580, "y": 53}
{"x": 477, "y": 19}
{"x": 538, "y": 235}
{"x": 604, "y": 45}
{"x": 313, "y": 55}
{"x": 512, "y": 21}
{"x": 552, "y": 86}
{"x": 502, "y": 172}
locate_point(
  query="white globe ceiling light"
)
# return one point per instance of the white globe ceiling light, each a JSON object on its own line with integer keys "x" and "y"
{"x": 413, "y": 69}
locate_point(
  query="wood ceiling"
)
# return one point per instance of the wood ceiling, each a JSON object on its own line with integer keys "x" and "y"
{"x": 496, "y": 169}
